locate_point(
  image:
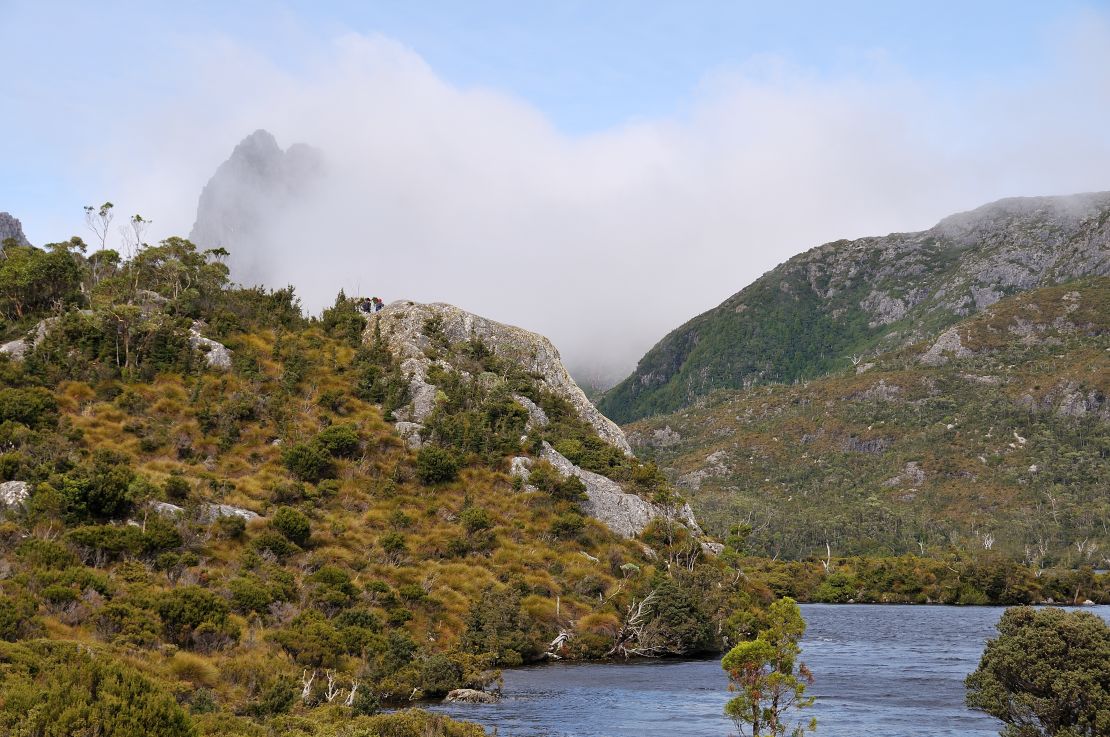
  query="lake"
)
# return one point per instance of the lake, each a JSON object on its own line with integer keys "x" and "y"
{"x": 889, "y": 671}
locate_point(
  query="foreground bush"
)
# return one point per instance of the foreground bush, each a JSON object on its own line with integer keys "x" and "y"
{"x": 1047, "y": 673}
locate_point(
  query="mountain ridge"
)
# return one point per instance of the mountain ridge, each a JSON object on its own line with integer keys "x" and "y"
{"x": 814, "y": 312}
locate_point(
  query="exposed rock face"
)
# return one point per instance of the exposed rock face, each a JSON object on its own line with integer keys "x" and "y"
{"x": 14, "y": 493}
{"x": 410, "y": 431}
{"x": 211, "y": 512}
{"x": 663, "y": 437}
{"x": 536, "y": 416}
{"x": 166, "y": 509}
{"x": 947, "y": 343}
{"x": 403, "y": 327}
{"x": 875, "y": 292}
{"x": 18, "y": 349}
{"x": 623, "y": 513}
{"x": 912, "y": 474}
{"x": 216, "y": 354}
{"x": 715, "y": 465}
{"x": 10, "y": 227}
{"x": 247, "y": 192}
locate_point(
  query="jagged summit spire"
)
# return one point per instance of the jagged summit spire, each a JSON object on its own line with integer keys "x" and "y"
{"x": 247, "y": 193}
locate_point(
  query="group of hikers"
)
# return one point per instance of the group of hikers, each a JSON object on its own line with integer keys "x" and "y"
{"x": 370, "y": 305}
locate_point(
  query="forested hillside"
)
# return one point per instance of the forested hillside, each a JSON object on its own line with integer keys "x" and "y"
{"x": 846, "y": 299}
{"x": 210, "y": 519}
{"x": 993, "y": 437}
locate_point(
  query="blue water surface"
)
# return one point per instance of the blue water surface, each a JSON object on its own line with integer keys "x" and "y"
{"x": 889, "y": 671}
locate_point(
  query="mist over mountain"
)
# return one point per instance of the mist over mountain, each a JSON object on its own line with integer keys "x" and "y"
{"x": 241, "y": 206}
{"x": 846, "y": 299}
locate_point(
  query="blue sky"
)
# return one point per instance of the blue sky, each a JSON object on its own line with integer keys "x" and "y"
{"x": 587, "y": 66}
{"x": 678, "y": 148}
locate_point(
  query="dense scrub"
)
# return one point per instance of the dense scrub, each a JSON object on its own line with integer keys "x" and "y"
{"x": 257, "y": 551}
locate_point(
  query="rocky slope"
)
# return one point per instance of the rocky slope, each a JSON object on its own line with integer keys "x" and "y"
{"x": 436, "y": 342}
{"x": 812, "y": 314}
{"x": 10, "y": 227}
{"x": 256, "y": 183}
{"x": 405, "y": 326}
{"x": 994, "y": 435}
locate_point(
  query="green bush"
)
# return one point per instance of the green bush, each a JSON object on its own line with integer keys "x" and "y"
{"x": 308, "y": 462}
{"x": 176, "y": 488}
{"x": 475, "y": 519}
{"x": 275, "y": 543}
{"x": 436, "y": 465}
{"x": 193, "y": 616}
{"x": 17, "y": 617}
{"x": 101, "y": 492}
{"x": 1045, "y": 674}
{"x": 34, "y": 407}
{"x": 57, "y": 690}
{"x": 341, "y": 441}
{"x": 292, "y": 524}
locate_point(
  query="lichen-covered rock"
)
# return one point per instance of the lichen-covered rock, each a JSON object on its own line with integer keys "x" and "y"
{"x": 912, "y": 474}
{"x": 18, "y": 349}
{"x": 623, "y": 513}
{"x": 403, "y": 325}
{"x": 216, "y": 354}
{"x": 14, "y": 493}
{"x": 211, "y": 512}
{"x": 947, "y": 343}
{"x": 166, "y": 509}
{"x": 715, "y": 465}
{"x": 472, "y": 696}
{"x": 536, "y": 416}
{"x": 410, "y": 431}
{"x": 661, "y": 437}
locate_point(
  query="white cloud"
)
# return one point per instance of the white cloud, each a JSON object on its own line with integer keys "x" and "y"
{"x": 604, "y": 242}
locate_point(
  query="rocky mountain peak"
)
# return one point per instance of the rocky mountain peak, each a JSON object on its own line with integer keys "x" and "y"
{"x": 255, "y": 183}
{"x": 10, "y": 227}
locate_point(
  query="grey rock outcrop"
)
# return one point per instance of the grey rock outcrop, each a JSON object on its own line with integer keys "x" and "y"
{"x": 166, "y": 509}
{"x": 947, "y": 344}
{"x": 623, "y": 513}
{"x": 212, "y": 512}
{"x": 215, "y": 353}
{"x": 403, "y": 327}
{"x": 410, "y": 431}
{"x": 14, "y": 493}
{"x": 18, "y": 349}
{"x": 257, "y": 183}
{"x": 10, "y": 227}
{"x": 472, "y": 696}
{"x": 715, "y": 466}
{"x": 660, "y": 437}
{"x": 536, "y": 416}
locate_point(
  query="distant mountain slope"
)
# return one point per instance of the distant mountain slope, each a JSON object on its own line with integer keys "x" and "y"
{"x": 810, "y": 315}
{"x": 996, "y": 434}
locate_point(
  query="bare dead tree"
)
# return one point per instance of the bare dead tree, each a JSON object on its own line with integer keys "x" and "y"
{"x": 332, "y": 691}
{"x": 634, "y": 637}
{"x": 350, "y": 700}
{"x": 306, "y": 682}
